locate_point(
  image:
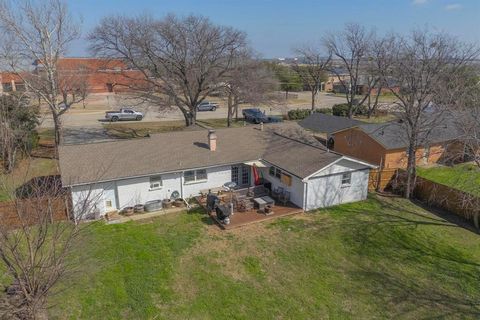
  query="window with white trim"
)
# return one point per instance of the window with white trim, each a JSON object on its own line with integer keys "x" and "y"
{"x": 155, "y": 183}
{"x": 201, "y": 174}
{"x": 195, "y": 175}
{"x": 346, "y": 178}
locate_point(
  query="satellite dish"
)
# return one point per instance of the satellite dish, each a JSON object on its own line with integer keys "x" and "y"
{"x": 175, "y": 195}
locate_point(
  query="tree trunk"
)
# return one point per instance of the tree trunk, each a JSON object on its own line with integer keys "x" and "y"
{"x": 313, "y": 101}
{"x": 350, "y": 110}
{"x": 229, "y": 110}
{"x": 411, "y": 170}
{"x": 286, "y": 95}
{"x": 369, "y": 107}
{"x": 57, "y": 121}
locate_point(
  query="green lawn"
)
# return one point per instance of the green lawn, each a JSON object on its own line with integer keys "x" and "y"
{"x": 465, "y": 177}
{"x": 129, "y": 130}
{"x": 221, "y": 123}
{"x": 382, "y": 258}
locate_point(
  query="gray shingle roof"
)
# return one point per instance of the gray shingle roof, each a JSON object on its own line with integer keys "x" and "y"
{"x": 392, "y": 135}
{"x": 176, "y": 151}
{"x": 320, "y": 122}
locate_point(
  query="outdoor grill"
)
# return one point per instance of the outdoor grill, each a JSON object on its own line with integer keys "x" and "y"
{"x": 223, "y": 211}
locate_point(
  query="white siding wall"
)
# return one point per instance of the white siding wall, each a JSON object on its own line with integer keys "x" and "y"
{"x": 137, "y": 190}
{"x": 296, "y": 189}
{"x": 325, "y": 189}
{"x": 88, "y": 199}
{"x": 128, "y": 192}
{"x": 216, "y": 177}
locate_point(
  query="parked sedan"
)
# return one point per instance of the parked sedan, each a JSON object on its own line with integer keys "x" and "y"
{"x": 207, "y": 106}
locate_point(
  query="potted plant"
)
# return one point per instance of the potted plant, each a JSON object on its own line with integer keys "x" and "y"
{"x": 167, "y": 203}
{"x": 139, "y": 208}
{"x": 179, "y": 202}
{"x": 127, "y": 211}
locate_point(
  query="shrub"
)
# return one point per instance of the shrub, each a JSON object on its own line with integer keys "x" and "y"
{"x": 341, "y": 110}
{"x": 300, "y": 114}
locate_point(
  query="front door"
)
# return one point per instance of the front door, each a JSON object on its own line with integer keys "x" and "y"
{"x": 241, "y": 175}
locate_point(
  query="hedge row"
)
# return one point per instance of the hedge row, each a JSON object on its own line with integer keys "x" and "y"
{"x": 299, "y": 114}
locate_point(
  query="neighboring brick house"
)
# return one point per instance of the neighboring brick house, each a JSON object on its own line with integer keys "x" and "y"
{"x": 97, "y": 74}
{"x": 94, "y": 75}
{"x": 10, "y": 82}
{"x": 385, "y": 144}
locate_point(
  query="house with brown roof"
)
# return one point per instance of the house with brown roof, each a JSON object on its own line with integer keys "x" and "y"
{"x": 124, "y": 173}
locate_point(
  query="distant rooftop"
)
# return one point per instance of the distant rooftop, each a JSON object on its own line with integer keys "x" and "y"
{"x": 326, "y": 123}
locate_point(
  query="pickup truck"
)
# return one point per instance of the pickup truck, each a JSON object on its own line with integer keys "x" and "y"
{"x": 255, "y": 115}
{"x": 207, "y": 106}
{"x": 123, "y": 114}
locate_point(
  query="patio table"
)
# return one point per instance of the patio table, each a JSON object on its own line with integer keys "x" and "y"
{"x": 268, "y": 200}
{"x": 260, "y": 203}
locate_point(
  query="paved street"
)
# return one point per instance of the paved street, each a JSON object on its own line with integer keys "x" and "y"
{"x": 92, "y": 116}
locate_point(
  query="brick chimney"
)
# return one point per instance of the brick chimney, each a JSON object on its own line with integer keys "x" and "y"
{"x": 212, "y": 140}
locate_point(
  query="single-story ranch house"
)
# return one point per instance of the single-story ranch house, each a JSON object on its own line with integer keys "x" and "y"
{"x": 124, "y": 173}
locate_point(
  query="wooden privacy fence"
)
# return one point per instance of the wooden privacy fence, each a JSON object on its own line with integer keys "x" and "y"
{"x": 455, "y": 201}
{"x": 380, "y": 179}
{"x": 31, "y": 211}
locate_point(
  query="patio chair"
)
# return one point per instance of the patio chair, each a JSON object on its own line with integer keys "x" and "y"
{"x": 277, "y": 192}
{"x": 284, "y": 198}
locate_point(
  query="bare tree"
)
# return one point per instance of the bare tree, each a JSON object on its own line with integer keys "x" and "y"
{"x": 351, "y": 47}
{"x": 378, "y": 59}
{"x": 37, "y": 235}
{"x": 426, "y": 67}
{"x": 465, "y": 109}
{"x": 184, "y": 59}
{"x": 249, "y": 82}
{"x": 311, "y": 67}
{"x": 39, "y": 32}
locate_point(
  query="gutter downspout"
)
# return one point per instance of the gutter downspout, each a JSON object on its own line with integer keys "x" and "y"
{"x": 305, "y": 191}
{"x": 181, "y": 184}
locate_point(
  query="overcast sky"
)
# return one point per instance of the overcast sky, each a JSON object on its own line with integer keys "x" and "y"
{"x": 275, "y": 26}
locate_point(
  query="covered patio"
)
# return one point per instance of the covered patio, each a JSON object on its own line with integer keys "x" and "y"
{"x": 238, "y": 207}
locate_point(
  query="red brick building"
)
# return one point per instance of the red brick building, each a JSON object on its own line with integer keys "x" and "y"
{"x": 95, "y": 75}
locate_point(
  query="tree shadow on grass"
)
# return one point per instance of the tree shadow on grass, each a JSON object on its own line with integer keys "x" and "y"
{"x": 402, "y": 256}
{"x": 407, "y": 297}
{"x": 405, "y": 262}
